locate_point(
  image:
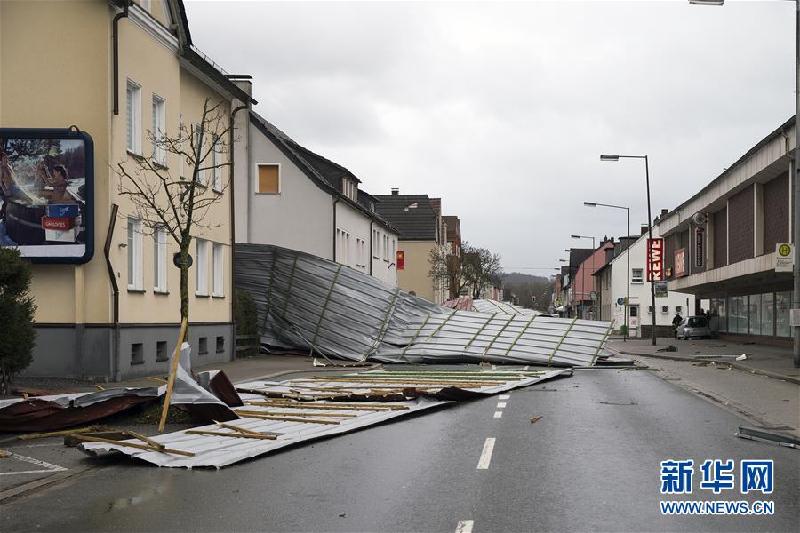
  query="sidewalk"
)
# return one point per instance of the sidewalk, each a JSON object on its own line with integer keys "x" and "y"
{"x": 772, "y": 361}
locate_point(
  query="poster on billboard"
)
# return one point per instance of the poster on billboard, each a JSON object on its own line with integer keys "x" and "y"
{"x": 46, "y": 194}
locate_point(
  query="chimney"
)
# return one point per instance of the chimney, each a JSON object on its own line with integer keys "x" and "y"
{"x": 242, "y": 81}
{"x": 644, "y": 229}
{"x": 395, "y": 191}
{"x": 664, "y": 213}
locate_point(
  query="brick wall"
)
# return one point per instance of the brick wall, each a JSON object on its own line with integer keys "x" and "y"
{"x": 720, "y": 238}
{"x": 740, "y": 225}
{"x": 776, "y": 212}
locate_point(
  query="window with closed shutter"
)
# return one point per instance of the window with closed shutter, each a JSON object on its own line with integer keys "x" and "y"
{"x": 268, "y": 179}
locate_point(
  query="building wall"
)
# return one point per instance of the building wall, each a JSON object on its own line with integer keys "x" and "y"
{"x": 720, "y": 230}
{"x": 740, "y": 225}
{"x": 776, "y": 212}
{"x": 357, "y": 227}
{"x": 383, "y": 256}
{"x": 300, "y": 217}
{"x": 415, "y": 276}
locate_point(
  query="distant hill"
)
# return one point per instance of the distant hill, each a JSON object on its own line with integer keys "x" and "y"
{"x": 528, "y": 290}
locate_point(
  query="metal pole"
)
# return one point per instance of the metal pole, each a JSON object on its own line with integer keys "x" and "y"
{"x": 591, "y": 300}
{"x": 626, "y": 309}
{"x": 796, "y": 298}
{"x": 650, "y": 232}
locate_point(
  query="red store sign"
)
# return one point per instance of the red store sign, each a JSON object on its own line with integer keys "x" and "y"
{"x": 655, "y": 259}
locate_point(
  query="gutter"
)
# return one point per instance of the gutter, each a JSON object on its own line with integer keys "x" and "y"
{"x": 335, "y": 201}
{"x": 115, "y": 47}
{"x": 114, "y": 356}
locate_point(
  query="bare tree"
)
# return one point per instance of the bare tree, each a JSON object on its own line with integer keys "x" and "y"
{"x": 480, "y": 267}
{"x": 175, "y": 201}
{"x": 445, "y": 269}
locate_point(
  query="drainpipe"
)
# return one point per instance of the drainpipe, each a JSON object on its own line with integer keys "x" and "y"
{"x": 113, "y": 363}
{"x": 371, "y": 238}
{"x": 115, "y": 38}
{"x": 232, "y": 189}
{"x": 335, "y": 201}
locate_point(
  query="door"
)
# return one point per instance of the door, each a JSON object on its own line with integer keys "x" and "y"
{"x": 633, "y": 321}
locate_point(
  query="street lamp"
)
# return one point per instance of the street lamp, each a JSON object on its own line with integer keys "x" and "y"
{"x": 628, "y": 255}
{"x": 617, "y": 157}
{"x": 594, "y": 248}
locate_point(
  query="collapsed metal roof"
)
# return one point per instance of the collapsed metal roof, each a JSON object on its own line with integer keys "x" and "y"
{"x": 308, "y": 303}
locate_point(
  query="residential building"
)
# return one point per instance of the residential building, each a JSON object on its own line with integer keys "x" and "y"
{"x": 583, "y": 286}
{"x": 571, "y": 300}
{"x": 118, "y": 72}
{"x": 614, "y": 281}
{"x": 605, "y": 300}
{"x": 453, "y": 233}
{"x": 292, "y": 197}
{"x": 721, "y": 244}
{"x": 419, "y": 222}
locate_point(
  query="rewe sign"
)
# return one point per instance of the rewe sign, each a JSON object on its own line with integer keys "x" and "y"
{"x": 655, "y": 259}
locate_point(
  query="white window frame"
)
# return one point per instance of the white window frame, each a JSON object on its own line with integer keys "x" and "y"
{"x": 135, "y": 271}
{"x": 201, "y": 267}
{"x": 159, "y": 129}
{"x": 217, "y": 270}
{"x": 386, "y": 248}
{"x": 133, "y": 117}
{"x": 639, "y": 278}
{"x": 257, "y": 183}
{"x": 202, "y": 176}
{"x": 160, "y": 260}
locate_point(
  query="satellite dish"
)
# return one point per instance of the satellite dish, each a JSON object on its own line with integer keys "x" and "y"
{"x": 699, "y": 218}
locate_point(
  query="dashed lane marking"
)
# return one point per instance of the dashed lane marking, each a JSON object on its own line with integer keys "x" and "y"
{"x": 501, "y": 405}
{"x": 465, "y": 526}
{"x": 486, "y": 454}
{"x": 498, "y": 414}
{"x": 505, "y": 396}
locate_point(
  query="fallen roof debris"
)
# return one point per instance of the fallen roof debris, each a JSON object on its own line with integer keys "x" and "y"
{"x": 305, "y": 302}
{"x": 280, "y": 414}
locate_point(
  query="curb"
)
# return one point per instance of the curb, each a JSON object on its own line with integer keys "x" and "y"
{"x": 734, "y": 364}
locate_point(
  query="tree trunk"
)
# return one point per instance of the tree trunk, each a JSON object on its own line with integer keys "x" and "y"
{"x": 184, "y": 261}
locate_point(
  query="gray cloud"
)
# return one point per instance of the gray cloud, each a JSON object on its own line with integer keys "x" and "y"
{"x": 503, "y": 108}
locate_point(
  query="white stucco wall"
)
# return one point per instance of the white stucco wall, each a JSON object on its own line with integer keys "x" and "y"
{"x": 640, "y": 292}
{"x": 300, "y": 217}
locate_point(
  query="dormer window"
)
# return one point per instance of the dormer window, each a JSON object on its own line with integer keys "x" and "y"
{"x": 350, "y": 188}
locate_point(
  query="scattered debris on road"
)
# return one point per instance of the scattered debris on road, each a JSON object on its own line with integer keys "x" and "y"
{"x": 535, "y": 419}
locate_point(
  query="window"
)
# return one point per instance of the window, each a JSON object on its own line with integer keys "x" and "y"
{"x": 137, "y": 354}
{"x": 216, "y": 169}
{"x": 198, "y": 153}
{"x": 767, "y": 314}
{"x": 161, "y": 351}
{"x": 202, "y": 345}
{"x": 649, "y": 309}
{"x": 637, "y": 275}
{"x": 160, "y": 260}
{"x": 135, "y": 275}
{"x": 664, "y": 309}
{"x": 394, "y": 251}
{"x": 350, "y": 188}
{"x": 633, "y": 311}
{"x": 145, "y": 4}
{"x": 678, "y": 309}
{"x": 375, "y": 244}
{"x": 782, "y": 304}
{"x": 754, "y": 314}
{"x": 134, "y": 117}
{"x": 159, "y": 130}
{"x": 269, "y": 179}
{"x": 217, "y": 270}
{"x": 201, "y": 269}
{"x": 220, "y": 344}
{"x": 385, "y": 247}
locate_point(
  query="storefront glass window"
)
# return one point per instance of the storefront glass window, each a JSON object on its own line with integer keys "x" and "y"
{"x": 717, "y": 317}
{"x": 783, "y": 302}
{"x": 754, "y": 314}
{"x": 737, "y": 314}
{"x": 767, "y": 313}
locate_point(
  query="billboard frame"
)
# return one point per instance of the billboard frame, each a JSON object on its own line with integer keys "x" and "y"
{"x": 71, "y": 133}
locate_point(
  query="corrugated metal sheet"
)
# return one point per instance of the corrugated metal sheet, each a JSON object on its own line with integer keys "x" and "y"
{"x": 309, "y": 303}
{"x": 218, "y": 451}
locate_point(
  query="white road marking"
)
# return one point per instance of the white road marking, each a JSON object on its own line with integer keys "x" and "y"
{"x": 526, "y": 368}
{"x": 505, "y": 396}
{"x": 498, "y": 414}
{"x": 486, "y": 454}
{"x": 465, "y": 526}
{"x": 47, "y": 466}
{"x": 501, "y": 405}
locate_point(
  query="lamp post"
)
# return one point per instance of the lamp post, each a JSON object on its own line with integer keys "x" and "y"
{"x": 796, "y": 186}
{"x": 617, "y": 157}
{"x": 628, "y": 256}
{"x": 594, "y": 247}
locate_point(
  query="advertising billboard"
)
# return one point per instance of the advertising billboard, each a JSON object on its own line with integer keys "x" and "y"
{"x": 46, "y": 194}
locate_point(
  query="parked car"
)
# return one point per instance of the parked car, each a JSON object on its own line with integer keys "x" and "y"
{"x": 693, "y": 327}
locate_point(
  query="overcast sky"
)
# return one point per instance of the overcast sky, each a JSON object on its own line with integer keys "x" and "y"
{"x": 502, "y": 109}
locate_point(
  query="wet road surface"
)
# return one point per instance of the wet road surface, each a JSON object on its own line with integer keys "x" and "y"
{"x": 591, "y": 462}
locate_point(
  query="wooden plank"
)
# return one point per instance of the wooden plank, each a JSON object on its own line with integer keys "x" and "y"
{"x": 243, "y": 430}
{"x": 259, "y": 414}
{"x": 310, "y": 405}
{"x": 89, "y": 438}
{"x": 234, "y": 434}
{"x": 31, "y": 436}
{"x": 146, "y": 439}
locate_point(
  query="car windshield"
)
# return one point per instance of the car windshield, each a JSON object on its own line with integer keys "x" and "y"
{"x": 697, "y": 322}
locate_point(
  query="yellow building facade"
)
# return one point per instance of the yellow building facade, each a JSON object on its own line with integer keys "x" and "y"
{"x": 58, "y": 64}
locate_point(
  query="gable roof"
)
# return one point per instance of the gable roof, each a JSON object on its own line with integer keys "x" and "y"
{"x": 415, "y": 223}
{"x": 323, "y": 172}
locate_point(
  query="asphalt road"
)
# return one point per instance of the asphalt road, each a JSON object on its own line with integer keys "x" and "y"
{"x": 590, "y": 463}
